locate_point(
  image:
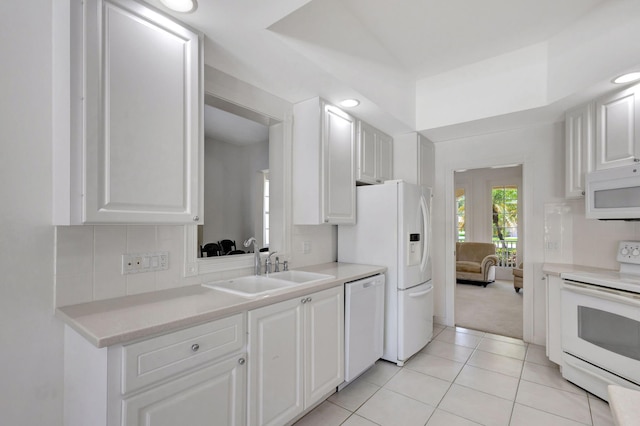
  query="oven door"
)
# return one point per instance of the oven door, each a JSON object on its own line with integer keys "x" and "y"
{"x": 602, "y": 327}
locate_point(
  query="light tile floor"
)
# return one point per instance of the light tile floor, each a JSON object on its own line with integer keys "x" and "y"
{"x": 463, "y": 377}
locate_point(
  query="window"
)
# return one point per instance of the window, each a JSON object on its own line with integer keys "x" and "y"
{"x": 265, "y": 209}
{"x": 505, "y": 223}
{"x": 460, "y": 214}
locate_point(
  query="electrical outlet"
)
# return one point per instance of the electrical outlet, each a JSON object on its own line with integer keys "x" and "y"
{"x": 135, "y": 263}
{"x": 306, "y": 247}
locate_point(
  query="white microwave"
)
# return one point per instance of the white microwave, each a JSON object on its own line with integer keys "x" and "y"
{"x": 613, "y": 194}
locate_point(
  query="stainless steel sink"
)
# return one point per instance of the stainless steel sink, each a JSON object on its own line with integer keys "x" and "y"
{"x": 262, "y": 285}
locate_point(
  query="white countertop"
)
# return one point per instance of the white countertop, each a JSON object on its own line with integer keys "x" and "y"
{"x": 558, "y": 268}
{"x": 112, "y": 321}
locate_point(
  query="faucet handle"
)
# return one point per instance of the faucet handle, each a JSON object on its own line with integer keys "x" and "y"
{"x": 276, "y": 267}
{"x": 285, "y": 265}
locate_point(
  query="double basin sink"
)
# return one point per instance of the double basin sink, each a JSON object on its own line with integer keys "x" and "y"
{"x": 262, "y": 285}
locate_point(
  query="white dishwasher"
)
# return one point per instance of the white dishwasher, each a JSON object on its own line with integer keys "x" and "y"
{"x": 364, "y": 325}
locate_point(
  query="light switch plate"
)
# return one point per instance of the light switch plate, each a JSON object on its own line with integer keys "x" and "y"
{"x": 135, "y": 263}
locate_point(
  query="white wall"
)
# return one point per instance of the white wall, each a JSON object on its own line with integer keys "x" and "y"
{"x": 478, "y": 184}
{"x": 589, "y": 53}
{"x": 572, "y": 238}
{"x": 230, "y": 188}
{"x": 503, "y": 84}
{"x": 31, "y": 338}
{"x": 541, "y": 151}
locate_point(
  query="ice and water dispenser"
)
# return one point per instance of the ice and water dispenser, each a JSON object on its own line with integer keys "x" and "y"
{"x": 414, "y": 250}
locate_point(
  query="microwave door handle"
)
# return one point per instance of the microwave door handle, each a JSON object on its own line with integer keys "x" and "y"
{"x": 602, "y": 293}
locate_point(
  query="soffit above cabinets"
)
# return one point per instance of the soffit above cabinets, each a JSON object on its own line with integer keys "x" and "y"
{"x": 378, "y": 51}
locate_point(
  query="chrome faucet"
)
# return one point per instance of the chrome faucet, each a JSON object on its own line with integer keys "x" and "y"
{"x": 256, "y": 255}
{"x": 267, "y": 263}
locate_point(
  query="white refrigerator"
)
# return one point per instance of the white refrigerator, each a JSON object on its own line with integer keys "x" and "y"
{"x": 393, "y": 229}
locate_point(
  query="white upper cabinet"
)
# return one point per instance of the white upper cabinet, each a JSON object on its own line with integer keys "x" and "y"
{"x": 413, "y": 155}
{"x": 136, "y": 116}
{"x": 579, "y": 148}
{"x": 324, "y": 148}
{"x": 375, "y": 155}
{"x": 617, "y": 129}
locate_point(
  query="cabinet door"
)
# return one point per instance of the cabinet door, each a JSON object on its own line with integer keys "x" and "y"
{"x": 385, "y": 157}
{"x": 339, "y": 177}
{"x": 425, "y": 162}
{"x": 275, "y": 364}
{"x": 367, "y": 153}
{"x": 617, "y": 124}
{"x": 211, "y": 395}
{"x": 324, "y": 343}
{"x": 554, "y": 319}
{"x": 142, "y": 105}
{"x": 579, "y": 149}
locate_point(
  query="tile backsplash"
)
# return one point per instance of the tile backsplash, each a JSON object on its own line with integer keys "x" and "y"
{"x": 88, "y": 264}
{"x": 89, "y": 261}
{"x": 572, "y": 238}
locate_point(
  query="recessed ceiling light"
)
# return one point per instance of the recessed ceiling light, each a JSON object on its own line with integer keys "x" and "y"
{"x": 181, "y": 5}
{"x": 350, "y": 103}
{"x": 627, "y": 78}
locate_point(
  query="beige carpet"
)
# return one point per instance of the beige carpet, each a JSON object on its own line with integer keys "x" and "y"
{"x": 496, "y": 308}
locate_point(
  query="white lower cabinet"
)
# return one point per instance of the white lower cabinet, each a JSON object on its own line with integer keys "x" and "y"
{"x": 296, "y": 355}
{"x": 195, "y": 376}
{"x": 212, "y": 395}
{"x": 554, "y": 319}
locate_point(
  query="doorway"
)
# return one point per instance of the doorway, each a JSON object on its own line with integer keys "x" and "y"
{"x": 488, "y": 210}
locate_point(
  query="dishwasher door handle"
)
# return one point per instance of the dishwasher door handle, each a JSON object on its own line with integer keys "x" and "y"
{"x": 374, "y": 283}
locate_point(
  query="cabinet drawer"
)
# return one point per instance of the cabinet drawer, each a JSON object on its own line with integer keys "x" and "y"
{"x": 155, "y": 359}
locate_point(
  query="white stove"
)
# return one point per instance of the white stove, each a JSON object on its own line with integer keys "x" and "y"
{"x": 626, "y": 279}
{"x": 601, "y": 324}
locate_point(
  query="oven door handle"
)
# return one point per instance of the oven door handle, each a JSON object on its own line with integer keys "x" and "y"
{"x": 603, "y": 293}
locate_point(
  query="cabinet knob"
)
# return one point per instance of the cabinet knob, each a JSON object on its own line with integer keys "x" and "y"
{"x": 196, "y": 218}
{"x": 309, "y": 299}
{"x": 195, "y": 347}
{"x": 241, "y": 361}
{"x": 303, "y": 301}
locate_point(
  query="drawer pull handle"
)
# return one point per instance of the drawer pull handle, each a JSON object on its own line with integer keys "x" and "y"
{"x": 195, "y": 347}
{"x": 241, "y": 361}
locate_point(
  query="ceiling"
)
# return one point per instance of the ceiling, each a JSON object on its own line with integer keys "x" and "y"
{"x": 227, "y": 127}
{"x": 380, "y": 51}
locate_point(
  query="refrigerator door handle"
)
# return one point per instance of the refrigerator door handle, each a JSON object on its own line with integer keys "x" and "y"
{"x": 425, "y": 232}
{"x": 420, "y": 293}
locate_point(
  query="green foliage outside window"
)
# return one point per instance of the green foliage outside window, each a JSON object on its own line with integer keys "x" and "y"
{"x": 505, "y": 222}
